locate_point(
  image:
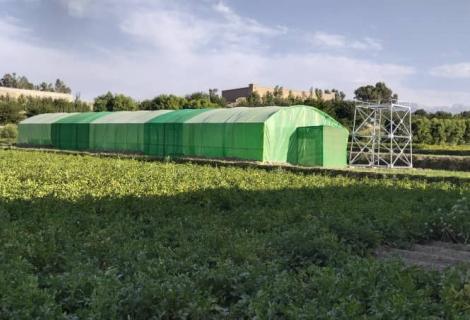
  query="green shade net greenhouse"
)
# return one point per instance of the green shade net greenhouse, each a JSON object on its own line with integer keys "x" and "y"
{"x": 73, "y": 133}
{"x": 36, "y": 131}
{"x": 121, "y": 131}
{"x": 298, "y": 134}
{"x": 263, "y": 134}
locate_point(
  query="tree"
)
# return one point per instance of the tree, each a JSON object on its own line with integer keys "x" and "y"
{"x": 110, "y": 102}
{"x": 339, "y": 95}
{"x": 21, "y": 82}
{"x": 123, "y": 103}
{"x": 60, "y": 86}
{"x": 442, "y": 115}
{"x": 44, "y": 86}
{"x": 268, "y": 99}
{"x": 10, "y": 111}
{"x": 277, "y": 93}
{"x": 379, "y": 93}
{"x": 102, "y": 102}
{"x": 421, "y": 128}
{"x": 438, "y": 131}
{"x": 464, "y": 114}
{"x": 466, "y": 136}
{"x": 8, "y": 80}
{"x": 254, "y": 100}
{"x": 420, "y": 113}
{"x": 318, "y": 94}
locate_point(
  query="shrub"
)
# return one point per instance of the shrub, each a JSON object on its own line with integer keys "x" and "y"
{"x": 10, "y": 131}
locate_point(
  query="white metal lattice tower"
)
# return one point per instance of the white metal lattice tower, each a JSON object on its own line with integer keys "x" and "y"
{"x": 381, "y": 135}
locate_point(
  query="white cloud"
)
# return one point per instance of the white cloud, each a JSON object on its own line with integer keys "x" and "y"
{"x": 168, "y": 30}
{"x": 180, "y": 58}
{"x": 76, "y": 7}
{"x": 180, "y": 31}
{"x": 337, "y": 41}
{"x": 234, "y": 23}
{"x": 457, "y": 71}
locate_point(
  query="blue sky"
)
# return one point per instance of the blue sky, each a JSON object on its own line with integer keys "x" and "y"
{"x": 420, "y": 48}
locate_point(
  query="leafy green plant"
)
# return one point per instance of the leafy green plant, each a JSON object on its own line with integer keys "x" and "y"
{"x": 89, "y": 237}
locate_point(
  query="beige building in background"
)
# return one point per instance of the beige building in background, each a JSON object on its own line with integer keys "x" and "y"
{"x": 234, "y": 95}
{"x": 16, "y": 93}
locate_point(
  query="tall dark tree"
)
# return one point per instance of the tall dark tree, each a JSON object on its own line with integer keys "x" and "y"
{"x": 421, "y": 113}
{"x": 61, "y": 87}
{"x": 378, "y": 93}
{"x": 9, "y": 80}
{"x": 44, "y": 86}
{"x": 318, "y": 94}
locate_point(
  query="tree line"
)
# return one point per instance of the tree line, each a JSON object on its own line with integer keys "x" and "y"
{"x": 197, "y": 100}
{"x": 15, "y": 110}
{"x": 12, "y": 80}
{"x": 437, "y": 130}
{"x": 429, "y": 128}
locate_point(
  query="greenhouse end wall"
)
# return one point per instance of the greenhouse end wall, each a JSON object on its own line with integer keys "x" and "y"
{"x": 280, "y": 135}
{"x": 323, "y": 146}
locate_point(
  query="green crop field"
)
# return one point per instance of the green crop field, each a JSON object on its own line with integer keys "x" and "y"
{"x": 84, "y": 237}
{"x": 445, "y": 149}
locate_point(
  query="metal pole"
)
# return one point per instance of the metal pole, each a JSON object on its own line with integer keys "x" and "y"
{"x": 390, "y": 164}
{"x": 411, "y": 139}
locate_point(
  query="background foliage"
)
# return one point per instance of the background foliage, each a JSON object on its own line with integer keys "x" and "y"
{"x": 12, "y": 80}
{"x": 439, "y": 128}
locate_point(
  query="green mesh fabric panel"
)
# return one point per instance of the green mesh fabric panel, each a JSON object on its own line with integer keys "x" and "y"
{"x": 163, "y": 136}
{"x": 280, "y": 131}
{"x": 335, "y": 145}
{"x": 36, "y": 131}
{"x": 235, "y": 115}
{"x": 238, "y": 140}
{"x": 121, "y": 131}
{"x": 216, "y": 133}
{"x": 73, "y": 133}
{"x": 310, "y": 146}
{"x": 322, "y": 146}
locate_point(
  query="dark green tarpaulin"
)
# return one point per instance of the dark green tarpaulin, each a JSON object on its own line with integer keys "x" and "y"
{"x": 36, "y": 131}
{"x": 121, "y": 131}
{"x": 73, "y": 133}
{"x": 164, "y": 134}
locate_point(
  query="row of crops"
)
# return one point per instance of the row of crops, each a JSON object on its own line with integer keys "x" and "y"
{"x": 87, "y": 237}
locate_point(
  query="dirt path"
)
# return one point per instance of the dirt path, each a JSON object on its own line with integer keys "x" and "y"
{"x": 432, "y": 256}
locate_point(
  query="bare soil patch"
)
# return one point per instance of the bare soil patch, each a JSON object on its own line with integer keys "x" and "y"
{"x": 434, "y": 255}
